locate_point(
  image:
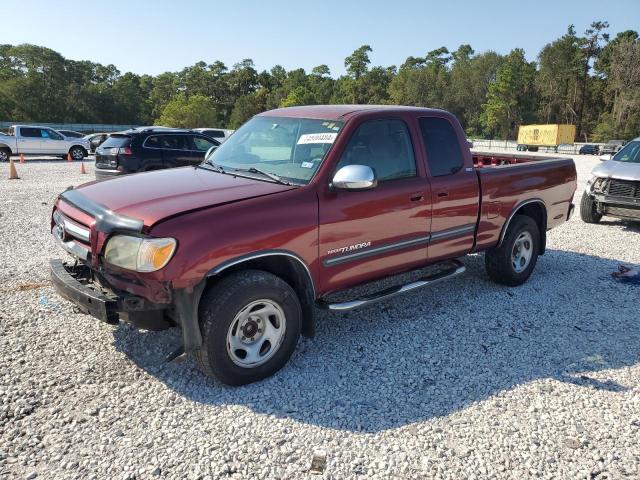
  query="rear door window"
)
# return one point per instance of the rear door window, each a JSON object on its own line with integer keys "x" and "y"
{"x": 441, "y": 144}
{"x": 173, "y": 142}
{"x": 30, "y": 132}
{"x": 153, "y": 142}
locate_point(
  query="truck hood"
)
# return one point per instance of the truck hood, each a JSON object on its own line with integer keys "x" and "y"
{"x": 153, "y": 196}
{"x": 619, "y": 170}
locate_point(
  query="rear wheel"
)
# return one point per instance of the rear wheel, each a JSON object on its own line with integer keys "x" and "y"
{"x": 588, "y": 209}
{"x": 250, "y": 323}
{"x": 513, "y": 262}
{"x": 5, "y": 154}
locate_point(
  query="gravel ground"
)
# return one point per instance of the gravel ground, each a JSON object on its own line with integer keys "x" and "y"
{"x": 464, "y": 380}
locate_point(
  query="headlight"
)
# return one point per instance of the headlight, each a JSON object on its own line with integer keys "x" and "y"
{"x": 595, "y": 183}
{"x": 139, "y": 254}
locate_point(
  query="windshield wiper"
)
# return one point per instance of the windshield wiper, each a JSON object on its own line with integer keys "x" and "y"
{"x": 272, "y": 176}
{"x": 214, "y": 166}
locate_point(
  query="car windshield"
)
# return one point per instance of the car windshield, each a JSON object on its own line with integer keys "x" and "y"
{"x": 630, "y": 153}
{"x": 291, "y": 149}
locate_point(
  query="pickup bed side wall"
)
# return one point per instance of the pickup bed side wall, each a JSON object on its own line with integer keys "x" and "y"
{"x": 505, "y": 188}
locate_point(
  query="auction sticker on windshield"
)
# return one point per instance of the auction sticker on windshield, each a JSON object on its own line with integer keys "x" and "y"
{"x": 317, "y": 138}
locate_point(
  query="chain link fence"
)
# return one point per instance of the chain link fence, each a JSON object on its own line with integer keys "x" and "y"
{"x": 569, "y": 149}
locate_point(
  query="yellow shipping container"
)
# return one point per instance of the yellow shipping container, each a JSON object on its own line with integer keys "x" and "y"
{"x": 546, "y": 135}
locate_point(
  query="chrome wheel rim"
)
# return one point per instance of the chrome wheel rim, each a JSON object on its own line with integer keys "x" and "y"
{"x": 3, "y": 156}
{"x": 522, "y": 252}
{"x": 256, "y": 333}
{"x": 77, "y": 154}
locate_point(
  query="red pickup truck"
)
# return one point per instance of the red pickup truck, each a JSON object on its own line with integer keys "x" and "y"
{"x": 298, "y": 204}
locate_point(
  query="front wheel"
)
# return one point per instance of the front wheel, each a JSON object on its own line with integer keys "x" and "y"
{"x": 77, "y": 153}
{"x": 250, "y": 323}
{"x": 513, "y": 262}
{"x": 588, "y": 209}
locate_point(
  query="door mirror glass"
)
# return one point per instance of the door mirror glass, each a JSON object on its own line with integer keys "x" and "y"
{"x": 355, "y": 177}
{"x": 604, "y": 158}
{"x": 210, "y": 152}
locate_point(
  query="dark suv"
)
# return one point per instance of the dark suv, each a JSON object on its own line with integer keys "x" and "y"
{"x": 145, "y": 149}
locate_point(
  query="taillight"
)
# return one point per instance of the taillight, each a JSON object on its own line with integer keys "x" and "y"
{"x": 125, "y": 151}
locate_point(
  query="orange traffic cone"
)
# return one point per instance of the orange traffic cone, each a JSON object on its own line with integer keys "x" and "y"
{"x": 68, "y": 157}
{"x": 13, "y": 173}
{"x": 82, "y": 170}
{"x": 22, "y": 158}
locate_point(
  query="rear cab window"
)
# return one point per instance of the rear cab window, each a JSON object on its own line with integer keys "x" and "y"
{"x": 444, "y": 156}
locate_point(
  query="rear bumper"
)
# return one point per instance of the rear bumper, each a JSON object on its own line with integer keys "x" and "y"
{"x": 104, "y": 174}
{"x": 74, "y": 282}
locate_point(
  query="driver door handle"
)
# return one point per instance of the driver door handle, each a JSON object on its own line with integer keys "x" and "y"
{"x": 417, "y": 197}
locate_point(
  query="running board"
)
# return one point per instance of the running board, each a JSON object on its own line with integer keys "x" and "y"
{"x": 456, "y": 269}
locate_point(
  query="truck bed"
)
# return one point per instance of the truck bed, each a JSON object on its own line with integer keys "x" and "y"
{"x": 507, "y": 181}
{"x": 492, "y": 159}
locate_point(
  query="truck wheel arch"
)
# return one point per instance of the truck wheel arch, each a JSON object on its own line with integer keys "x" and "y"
{"x": 284, "y": 264}
{"x": 534, "y": 208}
{"x": 4, "y": 146}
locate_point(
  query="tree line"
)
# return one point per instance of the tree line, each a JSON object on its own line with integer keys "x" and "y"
{"x": 589, "y": 79}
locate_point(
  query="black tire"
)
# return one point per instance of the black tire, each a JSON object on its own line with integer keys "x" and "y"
{"x": 5, "y": 154}
{"x": 588, "y": 210}
{"x": 77, "y": 153}
{"x": 218, "y": 309}
{"x": 499, "y": 261}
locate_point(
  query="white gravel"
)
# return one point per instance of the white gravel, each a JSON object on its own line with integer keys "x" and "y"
{"x": 465, "y": 380}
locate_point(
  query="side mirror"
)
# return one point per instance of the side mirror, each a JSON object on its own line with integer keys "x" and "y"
{"x": 210, "y": 152}
{"x": 355, "y": 177}
{"x": 604, "y": 158}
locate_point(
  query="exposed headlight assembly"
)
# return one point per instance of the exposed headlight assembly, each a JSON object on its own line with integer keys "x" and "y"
{"x": 139, "y": 254}
{"x": 595, "y": 183}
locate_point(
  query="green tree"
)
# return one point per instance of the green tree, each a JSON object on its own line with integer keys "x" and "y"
{"x": 188, "y": 112}
{"x": 510, "y": 97}
{"x": 358, "y": 62}
{"x": 557, "y": 80}
{"x": 591, "y": 46}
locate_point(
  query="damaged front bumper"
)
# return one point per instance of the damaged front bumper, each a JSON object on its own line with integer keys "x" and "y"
{"x": 77, "y": 283}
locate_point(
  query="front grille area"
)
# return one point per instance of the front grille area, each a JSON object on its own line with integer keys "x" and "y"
{"x": 72, "y": 229}
{"x": 623, "y": 212}
{"x": 623, "y": 188}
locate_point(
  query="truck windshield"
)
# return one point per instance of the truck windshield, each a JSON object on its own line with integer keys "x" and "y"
{"x": 630, "y": 153}
{"x": 289, "y": 148}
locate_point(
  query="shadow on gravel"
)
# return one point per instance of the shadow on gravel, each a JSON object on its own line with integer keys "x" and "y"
{"x": 435, "y": 352}
{"x": 627, "y": 225}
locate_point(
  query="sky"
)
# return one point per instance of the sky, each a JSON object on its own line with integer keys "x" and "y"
{"x": 156, "y": 36}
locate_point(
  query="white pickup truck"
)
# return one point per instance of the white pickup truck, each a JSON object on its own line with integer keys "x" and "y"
{"x": 33, "y": 140}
